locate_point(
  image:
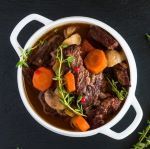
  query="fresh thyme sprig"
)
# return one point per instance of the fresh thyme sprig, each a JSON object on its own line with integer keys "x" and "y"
{"x": 79, "y": 105}
{"x": 144, "y": 140}
{"x": 121, "y": 94}
{"x": 25, "y": 53}
{"x": 69, "y": 60}
{"x": 147, "y": 36}
{"x": 24, "y": 57}
{"x": 65, "y": 97}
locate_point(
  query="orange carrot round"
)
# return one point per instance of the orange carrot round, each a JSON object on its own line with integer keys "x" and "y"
{"x": 96, "y": 61}
{"x": 42, "y": 78}
{"x": 70, "y": 82}
{"x": 80, "y": 123}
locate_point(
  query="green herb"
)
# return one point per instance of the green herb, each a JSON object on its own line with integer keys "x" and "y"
{"x": 121, "y": 94}
{"x": 64, "y": 46}
{"x": 69, "y": 60}
{"x": 66, "y": 98}
{"x": 144, "y": 140}
{"x": 25, "y": 53}
{"x": 24, "y": 57}
{"x": 147, "y": 36}
{"x": 79, "y": 105}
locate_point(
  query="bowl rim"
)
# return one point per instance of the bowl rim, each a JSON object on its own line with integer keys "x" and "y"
{"x": 133, "y": 75}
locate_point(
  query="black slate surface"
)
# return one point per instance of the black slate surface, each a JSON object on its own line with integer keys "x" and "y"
{"x": 131, "y": 18}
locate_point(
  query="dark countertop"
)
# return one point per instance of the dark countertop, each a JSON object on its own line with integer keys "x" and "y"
{"x": 130, "y": 18}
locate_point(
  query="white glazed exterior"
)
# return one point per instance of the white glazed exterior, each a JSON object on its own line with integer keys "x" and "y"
{"x": 130, "y": 101}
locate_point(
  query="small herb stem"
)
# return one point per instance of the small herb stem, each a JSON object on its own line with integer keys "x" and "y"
{"x": 121, "y": 94}
{"x": 146, "y": 132}
{"x": 65, "y": 97}
{"x": 144, "y": 140}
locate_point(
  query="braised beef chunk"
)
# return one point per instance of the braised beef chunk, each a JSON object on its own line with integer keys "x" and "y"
{"x": 43, "y": 55}
{"x": 103, "y": 112}
{"x": 110, "y": 104}
{"x": 75, "y": 51}
{"x": 55, "y": 41}
{"x": 121, "y": 73}
{"x": 102, "y": 37}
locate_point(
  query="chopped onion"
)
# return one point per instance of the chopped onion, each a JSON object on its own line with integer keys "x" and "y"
{"x": 114, "y": 57}
{"x": 69, "y": 31}
{"x": 74, "y": 39}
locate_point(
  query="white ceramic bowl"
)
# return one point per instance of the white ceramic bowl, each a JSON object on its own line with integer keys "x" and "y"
{"x": 130, "y": 101}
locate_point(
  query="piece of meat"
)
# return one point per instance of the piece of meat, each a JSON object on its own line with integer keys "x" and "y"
{"x": 107, "y": 109}
{"x": 86, "y": 47}
{"x": 43, "y": 55}
{"x": 110, "y": 104}
{"x": 40, "y": 56}
{"x": 121, "y": 73}
{"x": 75, "y": 51}
{"x": 102, "y": 37}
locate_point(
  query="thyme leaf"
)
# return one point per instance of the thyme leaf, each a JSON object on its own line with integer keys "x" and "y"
{"x": 79, "y": 105}
{"x": 121, "y": 94}
{"x": 69, "y": 60}
{"x": 24, "y": 57}
{"x": 147, "y": 36}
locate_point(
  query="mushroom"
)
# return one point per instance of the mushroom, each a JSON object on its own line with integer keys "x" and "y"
{"x": 69, "y": 31}
{"x": 74, "y": 39}
{"x": 53, "y": 101}
{"x": 114, "y": 57}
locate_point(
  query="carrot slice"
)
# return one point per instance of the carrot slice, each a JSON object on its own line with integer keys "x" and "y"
{"x": 96, "y": 61}
{"x": 70, "y": 82}
{"x": 42, "y": 78}
{"x": 86, "y": 46}
{"x": 80, "y": 123}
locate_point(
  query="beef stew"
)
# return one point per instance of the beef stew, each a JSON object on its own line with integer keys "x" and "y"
{"x": 76, "y": 77}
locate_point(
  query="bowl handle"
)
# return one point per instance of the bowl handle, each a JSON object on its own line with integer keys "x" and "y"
{"x": 21, "y": 25}
{"x": 129, "y": 129}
